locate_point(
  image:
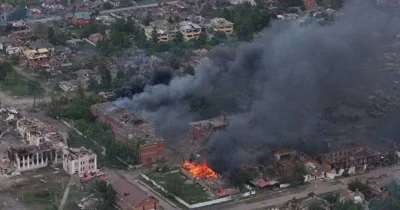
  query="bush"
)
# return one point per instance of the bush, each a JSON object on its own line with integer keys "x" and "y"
{"x": 107, "y": 5}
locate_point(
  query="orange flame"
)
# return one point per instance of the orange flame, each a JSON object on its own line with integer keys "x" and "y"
{"x": 199, "y": 170}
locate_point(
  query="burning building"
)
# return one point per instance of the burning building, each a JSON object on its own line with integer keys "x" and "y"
{"x": 130, "y": 128}
{"x": 208, "y": 178}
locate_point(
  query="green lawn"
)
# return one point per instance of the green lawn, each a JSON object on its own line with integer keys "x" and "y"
{"x": 42, "y": 198}
{"x": 16, "y": 85}
{"x": 188, "y": 190}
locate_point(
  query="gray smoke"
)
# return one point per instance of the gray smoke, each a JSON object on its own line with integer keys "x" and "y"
{"x": 284, "y": 78}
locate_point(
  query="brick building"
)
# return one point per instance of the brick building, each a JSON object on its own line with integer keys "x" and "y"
{"x": 310, "y": 4}
{"x": 358, "y": 157}
{"x": 131, "y": 197}
{"x": 81, "y": 18}
{"x": 128, "y": 127}
{"x": 201, "y": 129}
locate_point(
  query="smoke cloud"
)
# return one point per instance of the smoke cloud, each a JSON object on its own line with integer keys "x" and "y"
{"x": 283, "y": 80}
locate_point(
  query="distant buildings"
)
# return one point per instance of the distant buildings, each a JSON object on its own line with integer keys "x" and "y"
{"x": 223, "y": 25}
{"x": 81, "y": 18}
{"x": 164, "y": 29}
{"x": 95, "y": 37}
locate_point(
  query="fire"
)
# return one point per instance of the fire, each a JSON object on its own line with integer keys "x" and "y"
{"x": 199, "y": 170}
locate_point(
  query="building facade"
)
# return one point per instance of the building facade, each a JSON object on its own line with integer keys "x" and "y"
{"x": 33, "y": 157}
{"x": 79, "y": 160}
{"x": 189, "y": 30}
{"x": 81, "y": 18}
{"x": 129, "y": 128}
{"x": 204, "y": 128}
{"x": 223, "y": 25}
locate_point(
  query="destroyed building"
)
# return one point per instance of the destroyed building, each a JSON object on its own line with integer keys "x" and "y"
{"x": 130, "y": 128}
{"x": 79, "y": 160}
{"x": 26, "y": 158}
{"x": 204, "y": 128}
{"x": 37, "y": 132}
{"x": 358, "y": 157}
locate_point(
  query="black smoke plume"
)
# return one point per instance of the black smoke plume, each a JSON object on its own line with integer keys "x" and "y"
{"x": 283, "y": 80}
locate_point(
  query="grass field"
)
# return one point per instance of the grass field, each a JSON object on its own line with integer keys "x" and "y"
{"x": 16, "y": 85}
{"x": 184, "y": 187}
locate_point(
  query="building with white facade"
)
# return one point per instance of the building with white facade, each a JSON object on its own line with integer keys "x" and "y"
{"x": 33, "y": 157}
{"x": 79, "y": 160}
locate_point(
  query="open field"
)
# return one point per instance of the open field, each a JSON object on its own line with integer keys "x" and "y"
{"x": 16, "y": 85}
{"x": 37, "y": 190}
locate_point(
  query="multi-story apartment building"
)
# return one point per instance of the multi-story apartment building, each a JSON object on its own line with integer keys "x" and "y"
{"x": 221, "y": 24}
{"x": 189, "y": 30}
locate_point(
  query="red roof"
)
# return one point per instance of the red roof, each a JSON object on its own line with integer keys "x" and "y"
{"x": 129, "y": 192}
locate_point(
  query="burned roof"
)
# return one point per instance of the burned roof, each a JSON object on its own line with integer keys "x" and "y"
{"x": 75, "y": 153}
{"x": 216, "y": 122}
{"x": 22, "y": 150}
{"x": 129, "y": 192}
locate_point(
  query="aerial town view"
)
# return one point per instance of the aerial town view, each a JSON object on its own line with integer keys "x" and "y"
{"x": 200, "y": 104}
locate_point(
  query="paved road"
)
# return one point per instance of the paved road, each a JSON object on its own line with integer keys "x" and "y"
{"x": 134, "y": 7}
{"x": 43, "y": 20}
{"x": 319, "y": 187}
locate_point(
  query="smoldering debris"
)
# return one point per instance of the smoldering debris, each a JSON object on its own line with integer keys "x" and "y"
{"x": 291, "y": 73}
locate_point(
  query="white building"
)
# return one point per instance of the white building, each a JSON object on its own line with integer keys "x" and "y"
{"x": 68, "y": 85}
{"x": 33, "y": 157}
{"x": 14, "y": 50}
{"x": 79, "y": 160}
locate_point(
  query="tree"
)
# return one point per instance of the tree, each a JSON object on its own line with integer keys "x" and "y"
{"x": 105, "y": 77}
{"x": 107, "y": 5}
{"x": 315, "y": 206}
{"x": 34, "y": 87}
{"x": 92, "y": 84}
{"x": 3, "y": 74}
{"x": 50, "y": 32}
{"x": 154, "y": 36}
{"x": 346, "y": 205}
{"x": 358, "y": 185}
{"x": 202, "y": 40}
{"x": 178, "y": 38}
{"x": 189, "y": 70}
{"x": 18, "y": 14}
{"x": 331, "y": 198}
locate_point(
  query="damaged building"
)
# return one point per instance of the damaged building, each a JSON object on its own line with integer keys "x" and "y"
{"x": 130, "y": 128}
{"x": 79, "y": 160}
{"x": 36, "y": 132}
{"x": 204, "y": 128}
{"x": 26, "y": 158}
{"x": 358, "y": 157}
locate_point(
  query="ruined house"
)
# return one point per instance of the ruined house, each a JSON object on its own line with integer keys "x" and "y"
{"x": 204, "y": 128}
{"x": 358, "y": 157}
{"x": 26, "y": 158}
{"x": 130, "y": 128}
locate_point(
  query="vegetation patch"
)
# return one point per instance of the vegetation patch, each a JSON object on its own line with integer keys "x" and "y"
{"x": 181, "y": 186}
